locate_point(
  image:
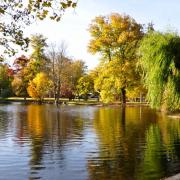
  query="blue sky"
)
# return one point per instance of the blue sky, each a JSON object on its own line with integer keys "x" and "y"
{"x": 72, "y": 29}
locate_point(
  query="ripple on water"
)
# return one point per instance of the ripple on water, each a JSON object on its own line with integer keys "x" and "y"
{"x": 46, "y": 142}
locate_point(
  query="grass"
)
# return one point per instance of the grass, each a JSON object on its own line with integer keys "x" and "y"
{"x": 66, "y": 101}
{"x": 51, "y": 100}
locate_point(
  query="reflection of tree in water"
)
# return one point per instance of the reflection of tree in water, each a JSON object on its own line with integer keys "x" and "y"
{"x": 133, "y": 143}
{"x": 162, "y": 152}
{"x": 36, "y": 127}
{"x": 121, "y": 142}
{"x": 9, "y": 114}
{"x": 4, "y": 122}
{"x": 49, "y": 130}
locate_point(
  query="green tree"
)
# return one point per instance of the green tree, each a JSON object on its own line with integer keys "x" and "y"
{"x": 159, "y": 60}
{"x": 115, "y": 38}
{"x": 38, "y": 58}
{"x": 6, "y": 76}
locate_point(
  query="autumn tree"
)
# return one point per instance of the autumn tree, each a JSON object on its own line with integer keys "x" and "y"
{"x": 21, "y": 14}
{"x": 65, "y": 72}
{"x": 116, "y": 38}
{"x": 78, "y": 69}
{"x": 27, "y": 68}
{"x": 160, "y": 61}
{"x": 39, "y": 87}
{"x": 58, "y": 63}
{"x": 85, "y": 86}
{"x": 21, "y": 79}
{"x": 75, "y": 69}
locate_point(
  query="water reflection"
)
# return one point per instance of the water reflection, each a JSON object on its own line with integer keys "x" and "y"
{"x": 50, "y": 130}
{"x": 162, "y": 155}
{"x": 132, "y": 147}
{"x": 78, "y": 142}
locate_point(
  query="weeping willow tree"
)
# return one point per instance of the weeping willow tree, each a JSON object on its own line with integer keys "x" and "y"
{"x": 160, "y": 63}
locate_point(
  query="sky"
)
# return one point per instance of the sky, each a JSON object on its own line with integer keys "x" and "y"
{"x": 73, "y": 27}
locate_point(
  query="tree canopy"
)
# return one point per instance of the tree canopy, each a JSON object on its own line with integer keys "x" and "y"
{"x": 115, "y": 38}
{"x": 16, "y": 14}
{"x": 160, "y": 63}
{"x": 39, "y": 86}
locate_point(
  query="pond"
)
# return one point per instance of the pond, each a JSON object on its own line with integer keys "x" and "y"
{"x": 87, "y": 142}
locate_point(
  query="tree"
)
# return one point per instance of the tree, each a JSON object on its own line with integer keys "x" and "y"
{"x": 27, "y": 68}
{"x": 159, "y": 60}
{"x": 85, "y": 86}
{"x": 77, "y": 70}
{"x": 65, "y": 72}
{"x": 39, "y": 87}
{"x": 6, "y": 76}
{"x": 21, "y": 78}
{"x": 115, "y": 38}
{"x": 21, "y": 14}
{"x": 59, "y": 65}
{"x": 74, "y": 70}
{"x": 38, "y": 58}
{"x": 112, "y": 76}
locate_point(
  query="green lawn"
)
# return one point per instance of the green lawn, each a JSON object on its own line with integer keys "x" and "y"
{"x": 66, "y": 101}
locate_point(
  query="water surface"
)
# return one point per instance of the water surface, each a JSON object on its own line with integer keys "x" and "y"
{"x": 87, "y": 142}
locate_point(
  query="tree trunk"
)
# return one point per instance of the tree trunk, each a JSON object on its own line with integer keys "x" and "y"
{"x": 123, "y": 96}
{"x": 54, "y": 93}
{"x": 58, "y": 91}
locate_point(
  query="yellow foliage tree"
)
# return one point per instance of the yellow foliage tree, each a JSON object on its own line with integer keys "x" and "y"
{"x": 115, "y": 38}
{"x": 40, "y": 86}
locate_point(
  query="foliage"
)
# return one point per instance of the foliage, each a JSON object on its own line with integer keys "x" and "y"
{"x": 115, "y": 38}
{"x": 112, "y": 77}
{"x": 18, "y": 87}
{"x": 137, "y": 91}
{"x": 85, "y": 86}
{"x": 21, "y": 14}
{"x": 5, "y": 80}
{"x": 159, "y": 60}
{"x": 21, "y": 78}
{"x": 65, "y": 72}
{"x": 40, "y": 86}
{"x": 78, "y": 69}
{"x": 38, "y": 58}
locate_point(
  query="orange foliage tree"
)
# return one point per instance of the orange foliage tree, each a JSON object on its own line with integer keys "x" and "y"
{"x": 40, "y": 86}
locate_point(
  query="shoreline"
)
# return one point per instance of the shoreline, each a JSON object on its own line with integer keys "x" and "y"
{"x": 64, "y": 101}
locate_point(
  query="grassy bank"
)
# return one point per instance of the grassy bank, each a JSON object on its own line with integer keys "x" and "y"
{"x": 51, "y": 101}
{"x": 67, "y": 101}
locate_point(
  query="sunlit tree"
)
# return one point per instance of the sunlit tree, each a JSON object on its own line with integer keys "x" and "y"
{"x": 115, "y": 38}
{"x": 85, "y": 86}
{"x": 39, "y": 87}
{"x": 160, "y": 62}
{"x": 64, "y": 71}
